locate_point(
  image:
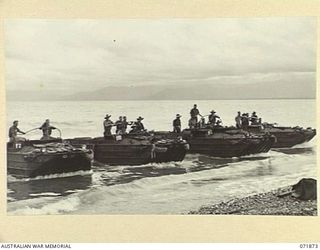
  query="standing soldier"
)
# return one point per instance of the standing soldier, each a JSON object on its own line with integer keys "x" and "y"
{"x": 238, "y": 120}
{"x": 177, "y": 124}
{"x": 13, "y": 132}
{"x": 119, "y": 125}
{"x": 192, "y": 123}
{"x": 139, "y": 125}
{"x": 254, "y": 118}
{"x": 194, "y": 113}
{"x": 125, "y": 124}
{"x": 46, "y": 130}
{"x": 245, "y": 120}
{"x": 202, "y": 123}
{"x": 107, "y": 124}
{"x": 213, "y": 118}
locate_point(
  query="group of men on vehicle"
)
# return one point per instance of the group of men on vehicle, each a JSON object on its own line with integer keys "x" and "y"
{"x": 122, "y": 125}
{"x": 45, "y": 127}
{"x": 242, "y": 121}
{"x": 213, "y": 119}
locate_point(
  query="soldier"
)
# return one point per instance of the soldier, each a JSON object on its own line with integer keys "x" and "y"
{"x": 194, "y": 112}
{"x": 192, "y": 123}
{"x": 254, "y": 118}
{"x": 119, "y": 125}
{"x": 238, "y": 120}
{"x": 177, "y": 124}
{"x": 125, "y": 124}
{"x": 13, "y": 132}
{"x": 107, "y": 124}
{"x": 46, "y": 130}
{"x": 245, "y": 120}
{"x": 218, "y": 124}
{"x": 213, "y": 118}
{"x": 139, "y": 125}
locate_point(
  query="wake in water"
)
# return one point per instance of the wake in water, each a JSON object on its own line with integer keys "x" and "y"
{"x": 12, "y": 179}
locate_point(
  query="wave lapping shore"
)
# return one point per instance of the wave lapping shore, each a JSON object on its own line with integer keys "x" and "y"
{"x": 269, "y": 203}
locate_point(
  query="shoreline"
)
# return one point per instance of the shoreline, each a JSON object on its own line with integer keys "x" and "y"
{"x": 268, "y": 203}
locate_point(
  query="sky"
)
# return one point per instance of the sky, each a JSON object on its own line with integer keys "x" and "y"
{"x": 71, "y": 56}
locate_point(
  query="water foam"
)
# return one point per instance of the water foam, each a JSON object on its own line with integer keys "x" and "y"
{"x": 43, "y": 206}
{"x": 11, "y": 179}
{"x": 45, "y": 194}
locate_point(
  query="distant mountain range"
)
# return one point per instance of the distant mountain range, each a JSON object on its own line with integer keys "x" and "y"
{"x": 288, "y": 90}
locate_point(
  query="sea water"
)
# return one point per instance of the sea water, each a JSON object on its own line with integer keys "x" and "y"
{"x": 166, "y": 188}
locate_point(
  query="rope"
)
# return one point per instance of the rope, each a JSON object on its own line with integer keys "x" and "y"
{"x": 59, "y": 132}
{"x": 31, "y": 130}
{"x": 38, "y": 128}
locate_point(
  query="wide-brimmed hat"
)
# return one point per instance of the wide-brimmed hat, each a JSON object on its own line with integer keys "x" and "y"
{"x": 212, "y": 111}
{"x": 140, "y": 118}
{"x": 178, "y": 115}
{"x": 107, "y": 116}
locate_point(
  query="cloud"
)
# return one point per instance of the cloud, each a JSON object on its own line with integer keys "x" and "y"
{"x": 80, "y": 55}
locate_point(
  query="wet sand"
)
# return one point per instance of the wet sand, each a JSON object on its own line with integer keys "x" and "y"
{"x": 263, "y": 204}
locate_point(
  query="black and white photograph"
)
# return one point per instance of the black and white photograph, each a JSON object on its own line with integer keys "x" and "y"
{"x": 164, "y": 116}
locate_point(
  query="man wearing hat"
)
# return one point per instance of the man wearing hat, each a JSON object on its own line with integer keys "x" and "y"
{"x": 138, "y": 125}
{"x": 213, "y": 118}
{"x": 13, "y": 132}
{"x": 177, "y": 124}
{"x": 107, "y": 124}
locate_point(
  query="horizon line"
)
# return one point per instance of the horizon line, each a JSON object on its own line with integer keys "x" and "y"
{"x": 86, "y": 100}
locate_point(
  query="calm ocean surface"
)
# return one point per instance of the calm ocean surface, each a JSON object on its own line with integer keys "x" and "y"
{"x": 169, "y": 188}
